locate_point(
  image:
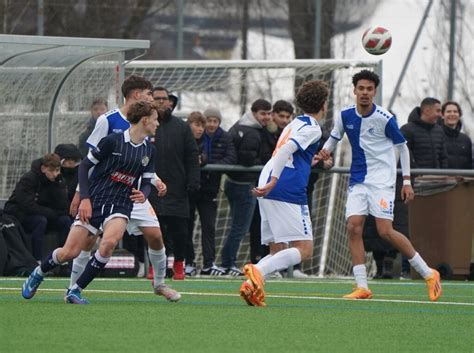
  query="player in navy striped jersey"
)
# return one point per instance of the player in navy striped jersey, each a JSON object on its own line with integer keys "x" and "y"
{"x": 282, "y": 195}
{"x": 373, "y": 134}
{"x": 143, "y": 219}
{"x": 107, "y": 198}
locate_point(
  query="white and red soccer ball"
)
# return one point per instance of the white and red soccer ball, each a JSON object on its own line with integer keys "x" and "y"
{"x": 377, "y": 40}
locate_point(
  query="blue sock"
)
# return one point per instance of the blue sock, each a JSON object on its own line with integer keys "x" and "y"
{"x": 93, "y": 267}
{"x": 50, "y": 262}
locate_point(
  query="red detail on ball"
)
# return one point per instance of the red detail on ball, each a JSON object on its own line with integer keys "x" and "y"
{"x": 379, "y": 30}
{"x": 372, "y": 43}
{"x": 387, "y": 44}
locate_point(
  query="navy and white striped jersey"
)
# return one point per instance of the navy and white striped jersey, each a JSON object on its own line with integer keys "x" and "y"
{"x": 119, "y": 164}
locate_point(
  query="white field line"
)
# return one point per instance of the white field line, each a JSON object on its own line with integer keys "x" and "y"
{"x": 285, "y": 280}
{"x": 235, "y": 295}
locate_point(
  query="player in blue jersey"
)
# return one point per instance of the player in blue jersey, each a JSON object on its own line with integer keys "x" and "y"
{"x": 373, "y": 133}
{"x": 282, "y": 195}
{"x": 143, "y": 219}
{"x": 107, "y": 198}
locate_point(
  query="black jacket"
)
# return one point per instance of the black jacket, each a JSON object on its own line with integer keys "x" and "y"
{"x": 426, "y": 142}
{"x": 82, "y": 141}
{"x": 247, "y": 138}
{"x": 34, "y": 194}
{"x": 177, "y": 165}
{"x": 219, "y": 149}
{"x": 458, "y": 147}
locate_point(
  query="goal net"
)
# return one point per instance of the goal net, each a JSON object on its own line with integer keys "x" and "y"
{"x": 232, "y": 86}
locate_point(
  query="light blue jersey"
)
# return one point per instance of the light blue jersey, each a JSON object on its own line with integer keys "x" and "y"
{"x": 305, "y": 132}
{"x": 372, "y": 138}
{"x": 110, "y": 122}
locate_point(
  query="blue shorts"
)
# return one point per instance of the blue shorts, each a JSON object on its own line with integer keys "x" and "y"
{"x": 101, "y": 215}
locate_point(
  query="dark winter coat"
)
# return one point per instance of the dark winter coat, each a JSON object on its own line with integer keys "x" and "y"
{"x": 247, "y": 138}
{"x": 82, "y": 142}
{"x": 177, "y": 165}
{"x": 426, "y": 142}
{"x": 35, "y": 194}
{"x": 219, "y": 149}
{"x": 458, "y": 147}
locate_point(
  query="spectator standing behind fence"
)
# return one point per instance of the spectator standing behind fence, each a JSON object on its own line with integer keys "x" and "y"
{"x": 282, "y": 114}
{"x": 458, "y": 144}
{"x": 40, "y": 202}
{"x": 219, "y": 149}
{"x": 99, "y": 106}
{"x": 247, "y": 137}
{"x": 426, "y": 142}
{"x": 197, "y": 122}
{"x": 425, "y": 138}
{"x": 177, "y": 165}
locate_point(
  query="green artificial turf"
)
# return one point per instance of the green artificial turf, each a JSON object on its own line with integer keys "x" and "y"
{"x": 301, "y": 316}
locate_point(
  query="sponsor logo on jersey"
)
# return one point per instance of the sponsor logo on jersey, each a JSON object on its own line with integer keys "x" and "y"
{"x": 350, "y": 126}
{"x": 371, "y": 131}
{"x": 117, "y": 130}
{"x": 123, "y": 178}
{"x": 116, "y": 153}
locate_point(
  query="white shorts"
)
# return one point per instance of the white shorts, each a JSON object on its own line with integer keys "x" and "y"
{"x": 143, "y": 215}
{"x": 284, "y": 222}
{"x": 366, "y": 199}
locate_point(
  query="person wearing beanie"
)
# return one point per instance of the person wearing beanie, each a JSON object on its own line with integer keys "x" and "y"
{"x": 70, "y": 159}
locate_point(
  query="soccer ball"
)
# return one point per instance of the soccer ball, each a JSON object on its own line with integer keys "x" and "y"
{"x": 377, "y": 40}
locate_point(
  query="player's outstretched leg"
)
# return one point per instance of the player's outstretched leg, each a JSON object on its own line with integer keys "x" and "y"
{"x": 30, "y": 286}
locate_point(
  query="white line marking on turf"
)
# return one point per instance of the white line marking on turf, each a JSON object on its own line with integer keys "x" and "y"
{"x": 269, "y": 296}
{"x": 239, "y": 280}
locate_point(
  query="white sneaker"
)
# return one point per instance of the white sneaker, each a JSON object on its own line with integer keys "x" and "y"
{"x": 299, "y": 274}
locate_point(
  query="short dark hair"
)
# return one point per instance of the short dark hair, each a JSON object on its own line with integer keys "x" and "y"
{"x": 134, "y": 82}
{"x": 196, "y": 117}
{"x": 443, "y": 107}
{"x": 160, "y": 88}
{"x": 139, "y": 110}
{"x": 282, "y": 106}
{"x": 100, "y": 101}
{"x": 312, "y": 95}
{"x": 261, "y": 104}
{"x": 366, "y": 75}
{"x": 429, "y": 101}
{"x": 51, "y": 160}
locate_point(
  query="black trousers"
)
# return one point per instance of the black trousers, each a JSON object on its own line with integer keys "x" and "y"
{"x": 174, "y": 230}
{"x": 257, "y": 250}
{"x": 206, "y": 205}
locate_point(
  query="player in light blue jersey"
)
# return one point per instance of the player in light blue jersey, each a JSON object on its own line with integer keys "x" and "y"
{"x": 373, "y": 133}
{"x": 282, "y": 195}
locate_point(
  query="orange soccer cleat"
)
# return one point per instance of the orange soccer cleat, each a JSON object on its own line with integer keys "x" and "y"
{"x": 434, "y": 286}
{"x": 248, "y": 293}
{"x": 359, "y": 293}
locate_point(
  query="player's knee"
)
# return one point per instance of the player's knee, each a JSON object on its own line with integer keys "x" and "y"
{"x": 354, "y": 229}
{"x": 68, "y": 253}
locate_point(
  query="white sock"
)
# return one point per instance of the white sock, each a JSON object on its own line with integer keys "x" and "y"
{"x": 281, "y": 260}
{"x": 420, "y": 266}
{"x": 78, "y": 266}
{"x": 263, "y": 260}
{"x": 360, "y": 274}
{"x": 158, "y": 261}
